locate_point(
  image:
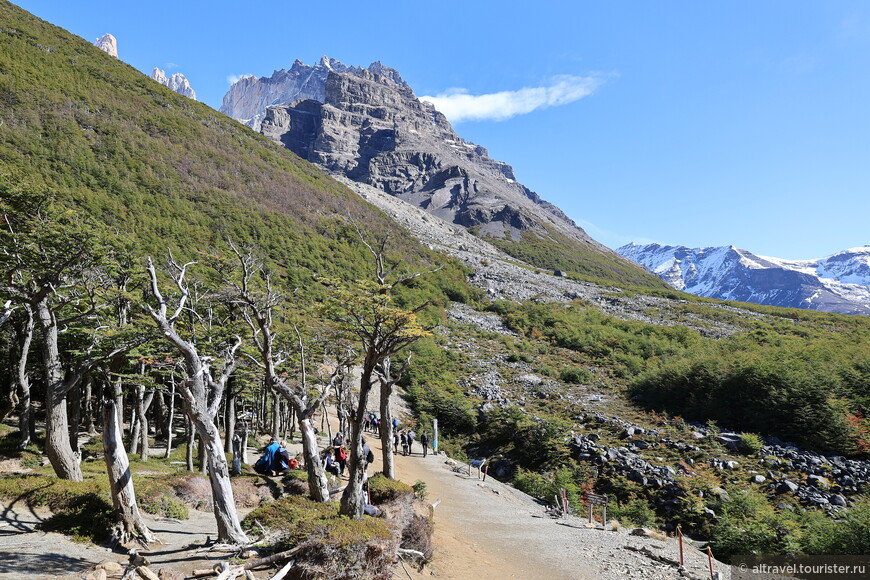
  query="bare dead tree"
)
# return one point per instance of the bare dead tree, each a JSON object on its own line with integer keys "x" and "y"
{"x": 201, "y": 395}
{"x": 388, "y": 380}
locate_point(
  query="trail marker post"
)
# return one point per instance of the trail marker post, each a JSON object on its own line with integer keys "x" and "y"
{"x": 564, "y": 503}
{"x": 594, "y": 499}
{"x": 680, "y": 534}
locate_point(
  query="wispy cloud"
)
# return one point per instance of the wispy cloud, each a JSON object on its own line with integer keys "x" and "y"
{"x": 233, "y": 79}
{"x": 457, "y": 105}
{"x": 171, "y": 65}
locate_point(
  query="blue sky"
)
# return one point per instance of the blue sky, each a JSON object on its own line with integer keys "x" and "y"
{"x": 680, "y": 122}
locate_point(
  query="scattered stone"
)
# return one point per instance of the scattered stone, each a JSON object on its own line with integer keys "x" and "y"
{"x": 170, "y": 574}
{"x": 786, "y": 486}
{"x": 110, "y": 567}
{"x": 98, "y": 574}
{"x": 146, "y": 574}
{"x": 758, "y": 479}
{"x": 837, "y": 500}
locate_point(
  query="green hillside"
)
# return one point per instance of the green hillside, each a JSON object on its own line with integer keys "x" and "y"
{"x": 171, "y": 172}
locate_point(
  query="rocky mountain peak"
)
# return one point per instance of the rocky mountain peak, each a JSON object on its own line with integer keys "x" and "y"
{"x": 367, "y": 124}
{"x": 177, "y": 82}
{"x": 108, "y": 44}
{"x": 837, "y": 283}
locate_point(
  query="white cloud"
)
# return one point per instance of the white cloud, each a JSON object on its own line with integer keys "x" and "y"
{"x": 457, "y": 105}
{"x": 233, "y": 79}
{"x": 171, "y": 65}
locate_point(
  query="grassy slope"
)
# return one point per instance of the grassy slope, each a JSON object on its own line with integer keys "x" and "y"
{"x": 171, "y": 171}
{"x": 584, "y": 262}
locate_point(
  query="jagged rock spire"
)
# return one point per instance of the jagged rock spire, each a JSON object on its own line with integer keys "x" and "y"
{"x": 108, "y": 44}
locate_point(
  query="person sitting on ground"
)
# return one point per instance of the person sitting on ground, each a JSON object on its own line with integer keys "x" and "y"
{"x": 266, "y": 464}
{"x": 282, "y": 458}
{"x": 329, "y": 463}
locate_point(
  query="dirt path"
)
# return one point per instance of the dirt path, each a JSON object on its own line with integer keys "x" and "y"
{"x": 489, "y": 530}
{"x": 28, "y": 553}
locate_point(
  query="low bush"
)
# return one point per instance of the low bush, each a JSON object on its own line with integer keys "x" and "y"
{"x": 750, "y": 443}
{"x": 81, "y": 509}
{"x": 334, "y": 546}
{"x": 382, "y": 489}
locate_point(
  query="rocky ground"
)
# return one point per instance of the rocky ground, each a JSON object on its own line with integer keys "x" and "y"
{"x": 506, "y": 278}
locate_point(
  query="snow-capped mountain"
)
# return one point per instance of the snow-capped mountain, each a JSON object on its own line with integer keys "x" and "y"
{"x": 837, "y": 283}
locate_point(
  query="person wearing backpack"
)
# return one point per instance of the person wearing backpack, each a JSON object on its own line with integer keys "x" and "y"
{"x": 424, "y": 441}
{"x": 367, "y": 454}
{"x": 340, "y": 453}
{"x": 266, "y": 464}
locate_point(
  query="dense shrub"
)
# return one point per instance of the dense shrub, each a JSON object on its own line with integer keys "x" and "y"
{"x": 334, "y": 546}
{"x": 382, "y": 489}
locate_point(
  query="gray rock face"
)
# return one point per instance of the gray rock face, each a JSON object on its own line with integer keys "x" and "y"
{"x": 177, "y": 82}
{"x": 837, "y": 283}
{"x": 367, "y": 125}
{"x": 108, "y": 44}
{"x": 247, "y": 99}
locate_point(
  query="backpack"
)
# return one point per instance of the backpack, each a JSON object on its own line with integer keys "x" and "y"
{"x": 370, "y": 457}
{"x": 262, "y": 466}
{"x": 342, "y": 454}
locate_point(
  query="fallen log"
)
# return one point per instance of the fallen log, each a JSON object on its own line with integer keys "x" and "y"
{"x": 272, "y": 559}
{"x": 283, "y": 571}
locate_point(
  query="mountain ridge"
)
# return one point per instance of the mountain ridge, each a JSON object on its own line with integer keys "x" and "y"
{"x": 368, "y": 125}
{"x": 837, "y": 283}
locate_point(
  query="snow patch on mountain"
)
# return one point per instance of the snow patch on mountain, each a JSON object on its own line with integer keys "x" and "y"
{"x": 836, "y": 283}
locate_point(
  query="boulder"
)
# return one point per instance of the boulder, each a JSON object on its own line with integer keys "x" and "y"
{"x": 786, "y": 486}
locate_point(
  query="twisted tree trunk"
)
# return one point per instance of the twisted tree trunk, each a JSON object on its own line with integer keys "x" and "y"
{"x": 130, "y": 524}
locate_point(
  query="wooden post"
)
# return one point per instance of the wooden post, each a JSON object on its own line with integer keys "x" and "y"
{"x": 590, "y": 512}
{"x": 680, "y": 535}
{"x": 435, "y": 436}
{"x": 564, "y": 503}
{"x": 485, "y": 470}
{"x": 710, "y": 559}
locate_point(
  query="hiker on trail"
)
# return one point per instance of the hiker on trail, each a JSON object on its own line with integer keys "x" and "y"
{"x": 395, "y": 441}
{"x": 424, "y": 441}
{"x": 395, "y": 423}
{"x": 367, "y": 422}
{"x": 339, "y": 453}
{"x": 270, "y": 461}
{"x": 403, "y": 437}
{"x": 367, "y": 455}
{"x": 411, "y": 438}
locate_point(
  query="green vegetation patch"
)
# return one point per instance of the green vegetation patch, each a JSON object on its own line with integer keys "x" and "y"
{"x": 556, "y": 251}
{"x": 81, "y": 509}
{"x": 298, "y": 519}
{"x": 382, "y": 489}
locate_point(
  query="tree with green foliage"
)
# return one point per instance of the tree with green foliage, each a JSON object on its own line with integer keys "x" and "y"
{"x": 51, "y": 262}
{"x": 364, "y": 310}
